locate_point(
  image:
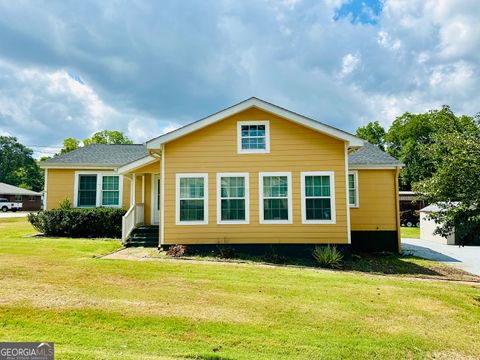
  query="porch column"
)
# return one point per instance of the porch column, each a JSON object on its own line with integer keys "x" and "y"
{"x": 143, "y": 188}
{"x": 132, "y": 190}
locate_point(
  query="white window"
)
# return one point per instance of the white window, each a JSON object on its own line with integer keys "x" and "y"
{"x": 318, "y": 197}
{"x": 192, "y": 199}
{"x": 232, "y": 198}
{"x": 94, "y": 189}
{"x": 253, "y": 137}
{"x": 275, "y": 198}
{"x": 353, "y": 189}
{"x": 18, "y": 198}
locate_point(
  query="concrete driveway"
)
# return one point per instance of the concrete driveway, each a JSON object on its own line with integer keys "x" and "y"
{"x": 466, "y": 258}
{"x": 10, "y": 214}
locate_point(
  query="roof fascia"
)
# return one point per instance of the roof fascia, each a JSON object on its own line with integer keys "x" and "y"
{"x": 254, "y": 102}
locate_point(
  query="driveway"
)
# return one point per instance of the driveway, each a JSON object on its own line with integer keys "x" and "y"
{"x": 10, "y": 214}
{"x": 466, "y": 258}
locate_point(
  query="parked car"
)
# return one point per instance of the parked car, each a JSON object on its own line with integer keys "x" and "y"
{"x": 410, "y": 218}
{"x": 6, "y": 205}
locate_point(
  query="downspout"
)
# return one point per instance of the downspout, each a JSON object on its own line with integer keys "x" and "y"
{"x": 397, "y": 207}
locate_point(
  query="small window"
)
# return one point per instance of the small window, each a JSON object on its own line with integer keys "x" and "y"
{"x": 275, "y": 198}
{"x": 253, "y": 137}
{"x": 87, "y": 191}
{"x": 353, "y": 188}
{"x": 31, "y": 198}
{"x": 192, "y": 199}
{"x": 318, "y": 197}
{"x": 232, "y": 198}
{"x": 18, "y": 198}
{"x": 110, "y": 191}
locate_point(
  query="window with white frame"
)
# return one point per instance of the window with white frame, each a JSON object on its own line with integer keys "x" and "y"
{"x": 98, "y": 189}
{"x": 232, "y": 198}
{"x": 18, "y": 198}
{"x": 192, "y": 199}
{"x": 110, "y": 191}
{"x": 318, "y": 197}
{"x": 353, "y": 188}
{"x": 253, "y": 137}
{"x": 275, "y": 198}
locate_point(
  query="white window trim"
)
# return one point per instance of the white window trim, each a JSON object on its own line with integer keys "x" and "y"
{"x": 332, "y": 196}
{"x": 219, "y": 198}
{"x": 261, "y": 197}
{"x": 100, "y": 175}
{"x": 357, "y": 200}
{"x": 267, "y": 137}
{"x": 205, "y": 199}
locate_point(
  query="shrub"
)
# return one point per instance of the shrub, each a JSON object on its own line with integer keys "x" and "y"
{"x": 328, "y": 256}
{"x": 177, "y": 250}
{"x": 65, "y": 204}
{"x": 95, "y": 222}
{"x": 272, "y": 256}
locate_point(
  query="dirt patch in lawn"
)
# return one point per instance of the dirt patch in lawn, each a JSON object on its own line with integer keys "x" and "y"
{"x": 407, "y": 267}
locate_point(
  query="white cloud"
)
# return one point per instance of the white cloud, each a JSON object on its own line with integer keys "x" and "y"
{"x": 150, "y": 76}
{"x": 349, "y": 63}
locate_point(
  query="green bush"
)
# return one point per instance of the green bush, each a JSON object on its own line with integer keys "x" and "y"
{"x": 328, "y": 256}
{"x": 95, "y": 222}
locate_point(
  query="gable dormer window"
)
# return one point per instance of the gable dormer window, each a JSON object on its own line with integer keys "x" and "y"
{"x": 253, "y": 137}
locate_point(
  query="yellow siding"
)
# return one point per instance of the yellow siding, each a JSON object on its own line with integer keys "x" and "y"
{"x": 148, "y": 199}
{"x": 293, "y": 148}
{"x": 61, "y": 184}
{"x": 377, "y": 194}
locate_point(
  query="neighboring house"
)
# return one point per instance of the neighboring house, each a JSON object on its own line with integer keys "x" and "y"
{"x": 30, "y": 200}
{"x": 254, "y": 173}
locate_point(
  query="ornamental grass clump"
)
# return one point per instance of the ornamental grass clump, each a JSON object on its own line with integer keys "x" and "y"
{"x": 328, "y": 256}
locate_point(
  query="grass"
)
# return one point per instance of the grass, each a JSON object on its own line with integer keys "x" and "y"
{"x": 56, "y": 290}
{"x": 412, "y": 233}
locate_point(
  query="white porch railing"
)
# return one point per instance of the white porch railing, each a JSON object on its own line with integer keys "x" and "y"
{"x": 133, "y": 218}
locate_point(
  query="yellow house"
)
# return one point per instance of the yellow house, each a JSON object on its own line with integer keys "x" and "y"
{"x": 252, "y": 174}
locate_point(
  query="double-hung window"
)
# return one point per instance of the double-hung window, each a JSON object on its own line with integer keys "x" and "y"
{"x": 87, "y": 190}
{"x": 353, "y": 188}
{"x": 110, "y": 191}
{"x": 232, "y": 198}
{"x": 98, "y": 189}
{"x": 318, "y": 197}
{"x": 192, "y": 199}
{"x": 253, "y": 137}
{"x": 275, "y": 198}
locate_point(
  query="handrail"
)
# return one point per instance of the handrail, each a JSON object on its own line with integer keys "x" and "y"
{"x": 132, "y": 218}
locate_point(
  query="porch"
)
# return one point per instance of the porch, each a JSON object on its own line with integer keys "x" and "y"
{"x": 140, "y": 224}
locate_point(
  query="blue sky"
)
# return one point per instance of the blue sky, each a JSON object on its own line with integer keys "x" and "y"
{"x": 70, "y": 68}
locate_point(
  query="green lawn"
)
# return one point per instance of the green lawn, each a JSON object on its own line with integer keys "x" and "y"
{"x": 412, "y": 233}
{"x": 56, "y": 290}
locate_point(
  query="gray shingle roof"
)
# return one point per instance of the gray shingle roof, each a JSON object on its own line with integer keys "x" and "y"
{"x": 101, "y": 155}
{"x": 118, "y": 155}
{"x": 371, "y": 155}
{"x": 7, "y": 189}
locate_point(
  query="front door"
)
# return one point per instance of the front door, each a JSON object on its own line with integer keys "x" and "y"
{"x": 156, "y": 199}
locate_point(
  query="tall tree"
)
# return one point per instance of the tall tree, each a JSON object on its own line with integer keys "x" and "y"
{"x": 100, "y": 137}
{"x": 108, "y": 137}
{"x": 411, "y": 136}
{"x": 374, "y": 133}
{"x": 17, "y": 166}
{"x": 70, "y": 144}
{"x": 455, "y": 185}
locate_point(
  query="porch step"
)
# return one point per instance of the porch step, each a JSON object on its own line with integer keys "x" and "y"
{"x": 146, "y": 236}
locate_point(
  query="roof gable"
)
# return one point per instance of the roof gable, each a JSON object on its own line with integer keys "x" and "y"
{"x": 7, "y": 189}
{"x": 263, "y": 105}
